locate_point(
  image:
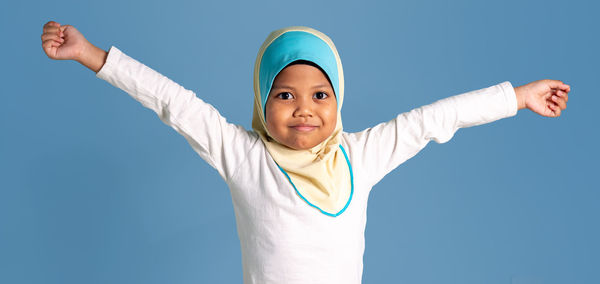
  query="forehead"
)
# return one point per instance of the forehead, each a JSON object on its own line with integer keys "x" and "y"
{"x": 301, "y": 72}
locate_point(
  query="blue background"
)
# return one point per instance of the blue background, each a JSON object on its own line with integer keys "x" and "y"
{"x": 95, "y": 189}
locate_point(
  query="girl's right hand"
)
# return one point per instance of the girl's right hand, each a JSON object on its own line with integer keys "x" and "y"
{"x": 63, "y": 42}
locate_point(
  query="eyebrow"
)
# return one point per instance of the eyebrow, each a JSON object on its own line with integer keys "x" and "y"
{"x": 290, "y": 87}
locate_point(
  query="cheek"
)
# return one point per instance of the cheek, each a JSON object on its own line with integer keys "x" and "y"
{"x": 269, "y": 112}
{"x": 274, "y": 116}
{"x": 269, "y": 120}
{"x": 330, "y": 116}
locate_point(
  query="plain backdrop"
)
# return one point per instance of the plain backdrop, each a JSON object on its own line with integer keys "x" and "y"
{"x": 94, "y": 188}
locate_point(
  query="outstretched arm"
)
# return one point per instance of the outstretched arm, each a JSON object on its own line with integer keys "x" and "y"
{"x": 223, "y": 145}
{"x": 382, "y": 148}
{"x": 385, "y": 146}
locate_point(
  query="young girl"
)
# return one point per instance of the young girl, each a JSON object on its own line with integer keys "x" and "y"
{"x": 298, "y": 182}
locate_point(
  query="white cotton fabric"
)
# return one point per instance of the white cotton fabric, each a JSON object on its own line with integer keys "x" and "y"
{"x": 283, "y": 240}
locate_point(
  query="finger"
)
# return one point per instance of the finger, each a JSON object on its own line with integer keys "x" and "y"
{"x": 553, "y": 83}
{"x": 562, "y": 86}
{"x": 559, "y": 101}
{"x": 52, "y": 30}
{"x": 555, "y": 110}
{"x": 557, "y": 84}
{"x": 50, "y": 43}
{"x": 47, "y": 44}
{"x": 53, "y": 36}
{"x": 563, "y": 95}
{"x": 50, "y": 47}
{"x": 62, "y": 30}
{"x": 565, "y": 87}
{"x": 48, "y": 34}
{"x": 51, "y": 24}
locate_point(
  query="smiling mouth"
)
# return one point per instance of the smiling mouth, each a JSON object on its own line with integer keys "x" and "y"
{"x": 303, "y": 128}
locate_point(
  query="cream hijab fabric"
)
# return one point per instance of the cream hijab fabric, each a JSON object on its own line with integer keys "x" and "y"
{"x": 322, "y": 175}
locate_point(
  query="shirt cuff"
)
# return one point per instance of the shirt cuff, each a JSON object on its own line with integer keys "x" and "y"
{"x": 108, "y": 68}
{"x": 511, "y": 98}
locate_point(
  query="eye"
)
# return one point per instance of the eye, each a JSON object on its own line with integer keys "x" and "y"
{"x": 320, "y": 96}
{"x": 285, "y": 96}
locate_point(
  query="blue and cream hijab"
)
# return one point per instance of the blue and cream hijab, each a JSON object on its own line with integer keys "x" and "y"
{"x": 322, "y": 175}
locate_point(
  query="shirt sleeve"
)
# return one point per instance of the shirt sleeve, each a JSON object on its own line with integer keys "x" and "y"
{"x": 382, "y": 148}
{"x": 221, "y": 144}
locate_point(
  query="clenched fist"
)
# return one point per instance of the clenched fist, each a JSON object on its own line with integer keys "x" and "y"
{"x": 66, "y": 42}
{"x": 62, "y": 42}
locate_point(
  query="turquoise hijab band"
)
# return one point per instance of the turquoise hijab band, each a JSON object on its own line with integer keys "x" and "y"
{"x": 292, "y": 46}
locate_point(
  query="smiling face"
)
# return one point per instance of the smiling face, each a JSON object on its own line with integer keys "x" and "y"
{"x": 301, "y": 110}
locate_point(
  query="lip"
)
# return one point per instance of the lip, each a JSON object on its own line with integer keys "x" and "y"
{"x": 303, "y": 127}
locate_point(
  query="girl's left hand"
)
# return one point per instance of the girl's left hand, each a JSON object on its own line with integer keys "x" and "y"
{"x": 544, "y": 97}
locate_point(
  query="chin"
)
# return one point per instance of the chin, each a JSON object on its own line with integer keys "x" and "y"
{"x": 301, "y": 145}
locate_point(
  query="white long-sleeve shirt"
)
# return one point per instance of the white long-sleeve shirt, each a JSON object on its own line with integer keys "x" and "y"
{"x": 283, "y": 239}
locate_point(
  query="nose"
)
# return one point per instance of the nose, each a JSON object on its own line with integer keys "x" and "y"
{"x": 303, "y": 108}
